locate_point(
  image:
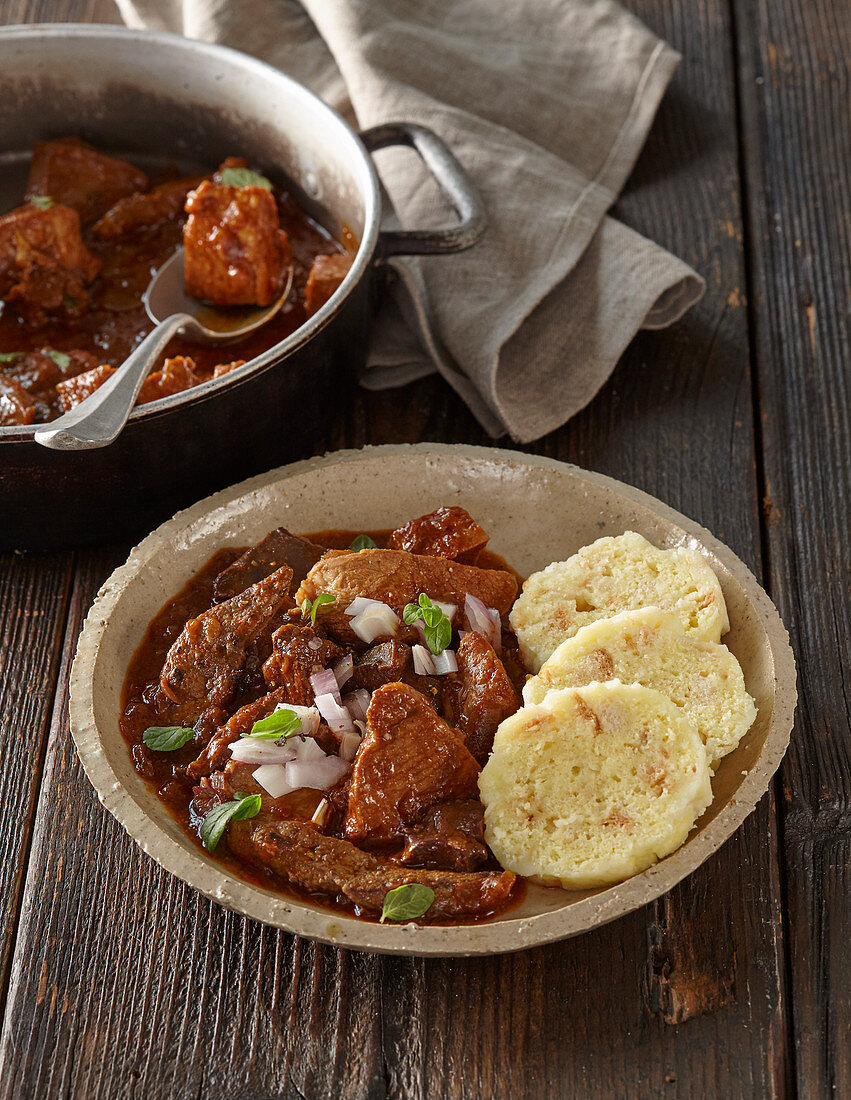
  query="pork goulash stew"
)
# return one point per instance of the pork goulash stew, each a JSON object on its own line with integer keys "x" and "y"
{"x": 78, "y": 254}
{"x": 340, "y": 714}
{"x": 316, "y": 711}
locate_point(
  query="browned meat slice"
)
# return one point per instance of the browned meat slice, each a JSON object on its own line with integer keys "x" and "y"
{"x": 16, "y": 405}
{"x": 298, "y": 853}
{"x": 298, "y": 652}
{"x": 278, "y": 548}
{"x": 177, "y": 374}
{"x": 386, "y": 663}
{"x": 216, "y": 755}
{"x": 36, "y": 370}
{"x": 144, "y": 210}
{"x": 202, "y": 668}
{"x": 236, "y": 254}
{"x": 486, "y": 694}
{"x": 444, "y": 533}
{"x": 408, "y": 761}
{"x": 326, "y": 274}
{"x": 44, "y": 265}
{"x": 397, "y": 578}
{"x": 451, "y": 837}
{"x": 74, "y": 390}
{"x": 73, "y": 173}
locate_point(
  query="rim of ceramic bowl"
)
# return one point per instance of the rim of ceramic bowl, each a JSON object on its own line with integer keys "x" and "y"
{"x": 495, "y": 937}
{"x": 364, "y": 257}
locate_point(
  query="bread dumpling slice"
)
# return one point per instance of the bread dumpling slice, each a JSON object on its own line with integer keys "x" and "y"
{"x": 650, "y": 647}
{"x": 593, "y": 785}
{"x": 614, "y": 574}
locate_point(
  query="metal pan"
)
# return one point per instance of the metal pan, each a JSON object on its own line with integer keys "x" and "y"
{"x": 158, "y": 96}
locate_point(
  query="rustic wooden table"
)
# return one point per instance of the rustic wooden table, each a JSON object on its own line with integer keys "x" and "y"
{"x": 120, "y": 981}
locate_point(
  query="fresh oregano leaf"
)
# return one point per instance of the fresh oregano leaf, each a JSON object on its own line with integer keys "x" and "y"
{"x": 167, "y": 738}
{"x": 362, "y": 542}
{"x": 216, "y": 821}
{"x": 407, "y": 902}
{"x": 280, "y": 723}
{"x": 243, "y": 177}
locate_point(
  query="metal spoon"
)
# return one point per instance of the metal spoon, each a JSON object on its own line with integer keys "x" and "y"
{"x": 98, "y": 419}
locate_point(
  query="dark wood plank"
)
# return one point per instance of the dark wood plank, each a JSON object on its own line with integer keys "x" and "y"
{"x": 126, "y": 983}
{"x": 797, "y": 148}
{"x": 34, "y": 592}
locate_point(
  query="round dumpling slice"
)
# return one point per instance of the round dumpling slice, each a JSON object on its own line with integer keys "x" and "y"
{"x": 650, "y": 647}
{"x": 593, "y": 785}
{"x": 614, "y": 574}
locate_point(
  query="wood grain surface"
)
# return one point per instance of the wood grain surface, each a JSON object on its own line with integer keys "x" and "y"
{"x": 119, "y": 981}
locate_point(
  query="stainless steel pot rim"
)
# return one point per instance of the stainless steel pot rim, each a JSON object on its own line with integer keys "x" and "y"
{"x": 372, "y": 217}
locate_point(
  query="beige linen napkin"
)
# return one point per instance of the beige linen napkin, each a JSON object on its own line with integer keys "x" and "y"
{"x": 547, "y": 104}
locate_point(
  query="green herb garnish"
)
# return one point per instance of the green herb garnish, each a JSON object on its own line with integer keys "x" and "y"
{"x": 280, "y": 723}
{"x": 362, "y": 542}
{"x": 61, "y": 360}
{"x": 10, "y": 356}
{"x": 243, "y": 177}
{"x": 308, "y": 608}
{"x": 407, "y": 902}
{"x": 167, "y": 738}
{"x": 242, "y": 807}
{"x": 43, "y": 202}
{"x": 438, "y": 628}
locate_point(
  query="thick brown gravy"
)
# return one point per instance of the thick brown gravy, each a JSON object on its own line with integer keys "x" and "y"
{"x": 138, "y": 711}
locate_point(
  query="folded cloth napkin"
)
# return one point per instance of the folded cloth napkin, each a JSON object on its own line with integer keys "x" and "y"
{"x": 546, "y": 103}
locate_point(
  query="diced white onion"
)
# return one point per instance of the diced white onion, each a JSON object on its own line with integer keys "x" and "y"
{"x": 336, "y": 715}
{"x": 255, "y": 750}
{"x": 349, "y": 745}
{"x": 448, "y": 609}
{"x": 273, "y": 779}
{"x": 343, "y": 669}
{"x": 307, "y": 749}
{"x": 484, "y": 620}
{"x": 375, "y": 621}
{"x": 319, "y": 774}
{"x": 320, "y": 814}
{"x": 314, "y": 644}
{"x": 362, "y": 603}
{"x": 356, "y": 702}
{"x": 444, "y": 662}
{"x": 325, "y": 683}
{"x": 423, "y": 661}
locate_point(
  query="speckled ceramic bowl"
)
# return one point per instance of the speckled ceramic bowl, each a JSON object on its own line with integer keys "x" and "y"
{"x": 536, "y": 511}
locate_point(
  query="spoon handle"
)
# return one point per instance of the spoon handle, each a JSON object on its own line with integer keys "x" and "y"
{"x": 97, "y": 421}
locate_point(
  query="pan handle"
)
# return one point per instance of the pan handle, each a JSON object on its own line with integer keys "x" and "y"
{"x": 450, "y": 177}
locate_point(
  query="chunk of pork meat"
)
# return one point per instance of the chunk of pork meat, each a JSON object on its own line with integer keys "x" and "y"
{"x": 444, "y": 533}
{"x": 73, "y": 173}
{"x": 451, "y": 837}
{"x": 216, "y": 754}
{"x": 326, "y": 274}
{"x": 486, "y": 695}
{"x": 409, "y": 760}
{"x": 236, "y": 253}
{"x": 297, "y": 653}
{"x": 16, "y": 405}
{"x": 278, "y": 548}
{"x": 74, "y": 390}
{"x": 202, "y": 668}
{"x": 44, "y": 265}
{"x": 298, "y": 853}
{"x": 37, "y": 371}
{"x": 386, "y": 663}
{"x": 144, "y": 210}
{"x": 397, "y": 578}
